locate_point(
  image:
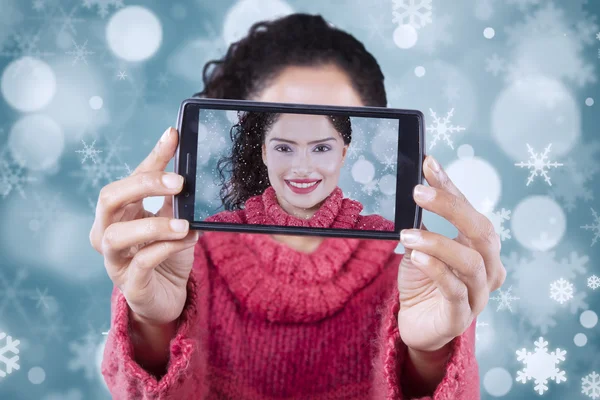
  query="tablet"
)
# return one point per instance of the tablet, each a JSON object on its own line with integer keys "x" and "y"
{"x": 298, "y": 169}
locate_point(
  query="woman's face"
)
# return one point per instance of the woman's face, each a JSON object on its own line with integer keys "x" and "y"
{"x": 302, "y": 150}
{"x": 304, "y": 155}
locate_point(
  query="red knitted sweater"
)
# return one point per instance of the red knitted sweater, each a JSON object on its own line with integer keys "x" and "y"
{"x": 263, "y": 321}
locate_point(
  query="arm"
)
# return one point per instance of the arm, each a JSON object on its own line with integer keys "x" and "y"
{"x": 146, "y": 362}
{"x": 400, "y": 373}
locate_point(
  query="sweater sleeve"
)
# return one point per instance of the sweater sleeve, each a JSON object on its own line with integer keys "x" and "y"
{"x": 185, "y": 377}
{"x": 462, "y": 373}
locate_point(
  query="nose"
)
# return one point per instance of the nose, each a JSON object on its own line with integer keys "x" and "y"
{"x": 301, "y": 164}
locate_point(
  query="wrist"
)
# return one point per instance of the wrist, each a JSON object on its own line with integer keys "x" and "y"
{"x": 440, "y": 354}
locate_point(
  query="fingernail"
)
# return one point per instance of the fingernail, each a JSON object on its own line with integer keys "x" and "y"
{"x": 409, "y": 236}
{"x": 178, "y": 225}
{"x": 423, "y": 192}
{"x": 433, "y": 164}
{"x": 418, "y": 257}
{"x": 165, "y": 135}
{"x": 172, "y": 181}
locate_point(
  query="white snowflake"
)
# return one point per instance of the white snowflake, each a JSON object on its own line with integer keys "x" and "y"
{"x": 539, "y": 164}
{"x": 24, "y": 44}
{"x": 122, "y": 75}
{"x": 561, "y": 290}
{"x": 12, "y": 294}
{"x": 498, "y": 218}
{"x": 103, "y": 5}
{"x": 46, "y": 211}
{"x": 594, "y": 227}
{"x": 532, "y": 275}
{"x": 13, "y": 176}
{"x": 590, "y": 385}
{"x": 479, "y": 324}
{"x": 370, "y": 187}
{"x": 548, "y": 43}
{"x": 80, "y": 52}
{"x": 593, "y": 282}
{"x": 354, "y": 150}
{"x": 495, "y": 64}
{"x": 389, "y": 162}
{"x": 442, "y": 128}
{"x": 9, "y": 350}
{"x": 84, "y": 354}
{"x": 106, "y": 170}
{"x": 504, "y": 299}
{"x": 88, "y": 151}
{"x": 541, "y": 366}
{"x": 598, "y": 35}
{"x": 417, "y": 13}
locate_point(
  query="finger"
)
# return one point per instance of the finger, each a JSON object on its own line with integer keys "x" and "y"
{"x": 161, "y": 154}
{"x": 144, "y": 262}
{"x": 450, "y": 286}
{"x": 136, "y": 188}
{"x": 120, "y": 237}
{"x": 465, "y": 262}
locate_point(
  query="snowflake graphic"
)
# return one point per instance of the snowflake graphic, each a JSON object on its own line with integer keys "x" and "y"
{"x": 13, "y": 176}
{"x": 12, "y": 293}
{"x": 504, "y": 299}
{"x": 495, "y": 64}
{"x": 572, "y": 183}
{"x": 417, "y": 13}
{"x": 80, "y": 52}
{"x": 598, "y": 36}
{"x": 541, "y": 366}
{"x": 370, "y": 187}
{"x": 442, "y": 128}
{"x": 498, "y": 218}
{"x": 8, "y": 354}
{"x": 532, "y": 275}
{"x": 561, "y": 290}
{"x": 84, "y": 354}
{"x": 593, "y": 282}
{"x": 47, "y": 210}
{"x": 590, "y": 385}
{"x": 539, "y": 164}
{"x": 103, "y": 5}
{"x": 562, "y": 40}
{"x": 354, "y": 150}
{"x": 121, "y": 75}
{"x": 88, "y": 151}
{"x": 594, "y": 227}
{"x": 389, "y": 162}
{"x": 479, "y": 324}
{"x": 24, "y": 44}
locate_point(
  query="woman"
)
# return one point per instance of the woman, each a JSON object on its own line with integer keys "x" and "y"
{"x": 284, "y": 168}
{"x": 226, "y": 315}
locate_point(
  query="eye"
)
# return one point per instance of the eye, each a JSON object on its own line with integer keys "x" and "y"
{"x": 283, "y": 148}
{"x": 322, "y": 148}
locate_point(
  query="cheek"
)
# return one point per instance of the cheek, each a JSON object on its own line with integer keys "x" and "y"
{"x": 329, "y": 164}
{"x": 278, "y": 163}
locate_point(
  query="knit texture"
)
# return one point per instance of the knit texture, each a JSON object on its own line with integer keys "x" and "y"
{"x": 263, "y": 321}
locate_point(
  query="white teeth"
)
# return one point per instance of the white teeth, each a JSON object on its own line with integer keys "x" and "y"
{"x": 302, "y": 185}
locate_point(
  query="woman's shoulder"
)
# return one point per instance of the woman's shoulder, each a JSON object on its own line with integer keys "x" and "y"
{"x": 374, "y": 222}
{"x": 232, "y": 217}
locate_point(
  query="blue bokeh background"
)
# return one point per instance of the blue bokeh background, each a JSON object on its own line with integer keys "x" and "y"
{"x": 532, "y": 79}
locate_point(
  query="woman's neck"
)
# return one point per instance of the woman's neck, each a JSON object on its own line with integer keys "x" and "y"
{"x": 304, "y": 244}
{"x": 304, "y": 213}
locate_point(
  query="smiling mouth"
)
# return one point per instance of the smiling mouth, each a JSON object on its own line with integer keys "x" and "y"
{"x": 302, "y": 184}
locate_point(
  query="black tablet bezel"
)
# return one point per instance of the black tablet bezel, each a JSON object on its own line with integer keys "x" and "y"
{"x": 183, "y": 203}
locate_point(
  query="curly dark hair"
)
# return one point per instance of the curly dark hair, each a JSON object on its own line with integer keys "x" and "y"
{"x": 249, "y": 66}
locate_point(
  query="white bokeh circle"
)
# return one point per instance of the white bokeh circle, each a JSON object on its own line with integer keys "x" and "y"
{"x": 36, "y": 375}
{"x": 36, "y": 142}
{"x": 589, "y": 102}
{"x": 497, "y": 382}
{"x": 588, "y": 319}
{"x": 134, "y": 33}
{"x": 363, "y": 171}
{"x": 384, "y": 144}
{"x": 405, "y": 36}
{"x": 420, "y": 71}
{"x": 478, "y": 180}
{"x": 243, "y": 14}
{"x": 489, "y": 33}
{"x": 96, "y": 102}
{"x": 580, "y": 339}
{"x": 465, "y": 151}
{"x": 538, "y": 223}
{"x": 536, "y": 110}
{"x": 28, "y": 84}
{"x": 387, "y": 184}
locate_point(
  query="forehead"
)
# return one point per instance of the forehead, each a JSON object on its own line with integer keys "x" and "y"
{"x": 302, "y": 126}
{"x": 325, "y": 84}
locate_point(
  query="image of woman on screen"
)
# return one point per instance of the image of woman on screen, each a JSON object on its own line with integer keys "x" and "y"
{"x": 284, "y": 169}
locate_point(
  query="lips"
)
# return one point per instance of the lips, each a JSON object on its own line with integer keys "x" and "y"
{"x": 302, "y": 186}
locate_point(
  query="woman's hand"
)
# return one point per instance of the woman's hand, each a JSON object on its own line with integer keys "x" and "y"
{"x": 445, "y": 283}
{"x": 148, "y": 256}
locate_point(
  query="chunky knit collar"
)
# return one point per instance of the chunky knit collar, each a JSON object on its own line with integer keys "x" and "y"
{"x": 280, "y": 284}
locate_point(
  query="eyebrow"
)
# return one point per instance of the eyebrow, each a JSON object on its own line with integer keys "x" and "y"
{"x": 292, "y": 142}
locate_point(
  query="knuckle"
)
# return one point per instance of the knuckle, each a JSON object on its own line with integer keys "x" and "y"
{"x": 487, "y": 233}
{"x": 476, "y": 265}
{"x": 109, "y": 239}
{"x": 105, "y": 197}
{"x": 460, "y": 294}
